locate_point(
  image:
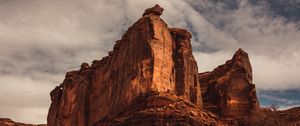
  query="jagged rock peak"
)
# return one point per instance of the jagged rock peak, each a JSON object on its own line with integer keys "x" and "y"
{"x": 240, "y": 50}
{"x": 156, "y": 10}
{"x": 240, "y": 59}
{"x": 240, "y": 54}
{"x": 84, "y": 66}
{"x": 228, "y": 90}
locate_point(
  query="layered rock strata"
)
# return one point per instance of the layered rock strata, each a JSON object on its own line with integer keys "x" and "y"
{"x": 164, "y": 109}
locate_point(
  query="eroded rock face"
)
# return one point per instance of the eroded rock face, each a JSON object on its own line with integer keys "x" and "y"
{"x": 187, "y": 84}
{"x": 150, "y": 57}
{"x": 228, "y": 90}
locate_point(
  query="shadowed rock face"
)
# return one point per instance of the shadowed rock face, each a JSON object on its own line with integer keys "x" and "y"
{"x": 187, "y": 84}
{"x": 228, "y": 90}
{"x": 150, "y": 57}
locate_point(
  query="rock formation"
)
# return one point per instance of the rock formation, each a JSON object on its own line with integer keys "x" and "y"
{"x": 228, "y": 90}
{"x": 9, "y": 122}
{"x": 151, "y": 78}
{"x": 150, "y": 58}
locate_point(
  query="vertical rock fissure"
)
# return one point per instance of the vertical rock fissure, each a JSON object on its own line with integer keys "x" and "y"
{"x": 163, "y": 60}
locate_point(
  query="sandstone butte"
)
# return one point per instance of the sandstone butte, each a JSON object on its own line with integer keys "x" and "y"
{"x": 151, "y": 78}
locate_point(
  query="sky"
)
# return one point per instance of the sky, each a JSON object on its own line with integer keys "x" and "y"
{"x": 40, "y": 40}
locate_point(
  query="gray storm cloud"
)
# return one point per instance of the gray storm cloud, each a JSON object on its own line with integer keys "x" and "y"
{"x": 41, "y": 40}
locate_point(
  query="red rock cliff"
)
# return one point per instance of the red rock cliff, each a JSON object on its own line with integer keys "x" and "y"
{"x": 228, "y": 90}
{"x": 150, "y": 57}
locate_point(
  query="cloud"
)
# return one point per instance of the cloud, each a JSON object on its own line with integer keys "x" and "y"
{"x": 251, "y": 27}
{"x": 22, "y": 96}
{"x": 282, "y": 99}
{"x": 41, "y": 40}
{"x": 271, "y": 73}
{"x": 273, "y": 42}
{"x": 278, "y": 100}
